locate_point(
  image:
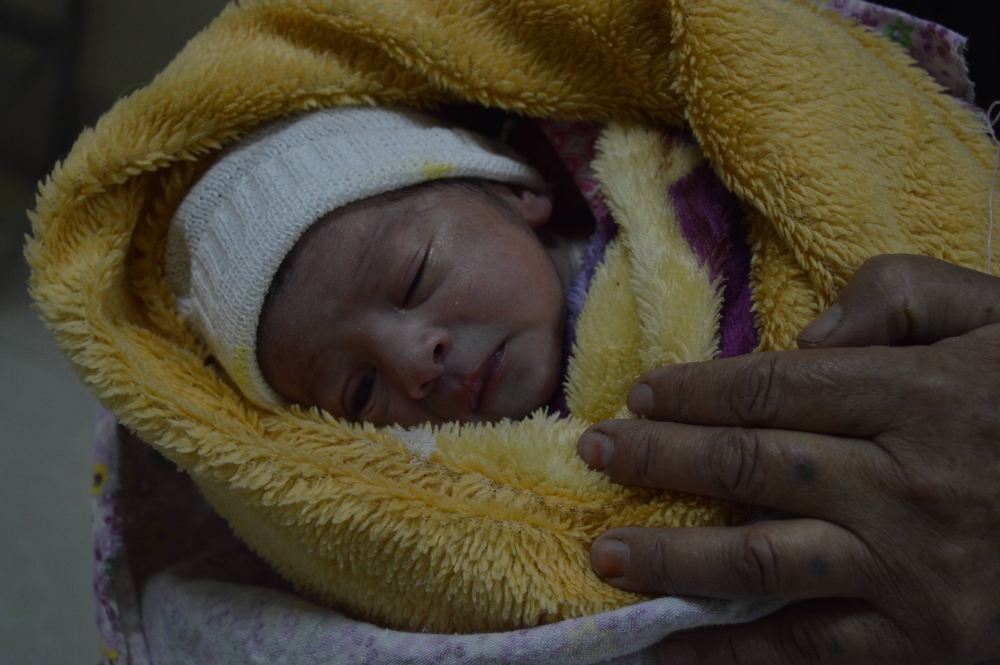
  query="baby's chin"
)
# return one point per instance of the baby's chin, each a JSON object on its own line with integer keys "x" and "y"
{"x": 519, "y": 409}
{"x": 522, "y": 398}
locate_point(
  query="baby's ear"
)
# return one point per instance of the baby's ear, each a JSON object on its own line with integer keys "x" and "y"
{"x": 535, "y": 208}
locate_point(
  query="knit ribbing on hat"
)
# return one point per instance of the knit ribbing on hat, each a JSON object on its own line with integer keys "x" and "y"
{"x": 234, "y": 228}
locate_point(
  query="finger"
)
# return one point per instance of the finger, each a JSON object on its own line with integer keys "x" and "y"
{"x": 847, "y": 392}
{"x": 904, "y": 299}
{"x": 813, "y": 633}
{"x": 791, "y": 559}
{"x": 801, "y": 473}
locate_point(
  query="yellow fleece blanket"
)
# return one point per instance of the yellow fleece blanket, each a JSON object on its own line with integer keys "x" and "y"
{"x": 839, "y": 148}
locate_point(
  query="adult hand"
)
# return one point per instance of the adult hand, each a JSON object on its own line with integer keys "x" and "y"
{"x": 890, "y": 455}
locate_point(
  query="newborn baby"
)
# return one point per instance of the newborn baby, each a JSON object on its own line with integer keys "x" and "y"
{"x": 378, "y": 264}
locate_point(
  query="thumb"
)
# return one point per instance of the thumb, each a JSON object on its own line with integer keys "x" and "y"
{"x": 899, "y": 299}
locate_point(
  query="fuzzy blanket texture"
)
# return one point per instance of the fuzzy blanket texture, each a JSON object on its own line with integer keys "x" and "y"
{"x": 837, "y": 146}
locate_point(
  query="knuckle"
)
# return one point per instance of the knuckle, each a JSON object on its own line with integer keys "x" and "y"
{"x": 936, "y": 497}
{"x": 657, "y": 565}
{"x": 941, "y": 629}
{"x": 935, "y": 382}
{"x": 644, "y": 455}
{"x": 802, "y": 641}
{"x": 674, "y": 386}
{"x": 885, "y": 277}
{"x": 927, "y": 389}
{"x": 888, "y": 271}
{"x": 756, "y": 398}
{"x": 734, "y": 650}
{"x": 756, "y": 567}
{"x": 927, "y": 487}
{"x": 951, "y": 632}
{"x": 733, "y": 463}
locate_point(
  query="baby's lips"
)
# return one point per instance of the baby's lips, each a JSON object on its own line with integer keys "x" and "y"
{"x": 463, "y": 390}
{"x": 468, "y": 390}
{"x": 496, "y": 368}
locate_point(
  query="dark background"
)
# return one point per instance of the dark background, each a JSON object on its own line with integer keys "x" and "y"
{"x": 62, "y": 63}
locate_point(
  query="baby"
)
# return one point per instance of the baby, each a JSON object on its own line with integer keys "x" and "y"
{"x": 378, "y": 264}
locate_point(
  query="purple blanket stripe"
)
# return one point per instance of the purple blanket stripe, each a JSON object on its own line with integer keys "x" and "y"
{"x": 605, "y": 231}
{"x": 711, "y": 221}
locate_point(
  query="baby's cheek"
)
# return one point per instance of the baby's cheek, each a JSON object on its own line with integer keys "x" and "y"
{"x": 544, "y": 369}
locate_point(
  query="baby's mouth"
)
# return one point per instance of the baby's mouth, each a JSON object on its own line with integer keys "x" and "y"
{"x": 496, "y": 367}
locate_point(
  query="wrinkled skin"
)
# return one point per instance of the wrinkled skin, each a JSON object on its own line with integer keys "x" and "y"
{"x": 889, "y": 452}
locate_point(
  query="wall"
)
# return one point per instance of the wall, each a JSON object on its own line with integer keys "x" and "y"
{"x": 46, "y": 414}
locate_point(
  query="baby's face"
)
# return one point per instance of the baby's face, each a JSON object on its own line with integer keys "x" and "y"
{"x": 443, "y": 306}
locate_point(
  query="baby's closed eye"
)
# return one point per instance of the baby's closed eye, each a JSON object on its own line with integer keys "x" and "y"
{"x": 411, "y": 291}
{"x": 363, "y": 395}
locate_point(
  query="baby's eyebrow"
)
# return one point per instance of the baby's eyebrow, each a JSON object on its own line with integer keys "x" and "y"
{"x": 388, "y": 222}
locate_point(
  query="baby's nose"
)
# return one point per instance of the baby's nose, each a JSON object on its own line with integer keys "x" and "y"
{"x": 421, "y": 361}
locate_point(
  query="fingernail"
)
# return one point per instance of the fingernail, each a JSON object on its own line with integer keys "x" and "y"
{"x": 676, "y": 652}
{"x": 595, "y": 449}
{"x": 640, "y": 400}
{"x": 821, "y": 327}
{"x": 609, "y": 557}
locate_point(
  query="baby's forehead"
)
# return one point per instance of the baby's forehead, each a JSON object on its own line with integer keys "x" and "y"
{"x": 350, "y": 240}
{"x": 377, "y": 218}
{"x": 365, "y": 241}
{"x": 375, "y": 226}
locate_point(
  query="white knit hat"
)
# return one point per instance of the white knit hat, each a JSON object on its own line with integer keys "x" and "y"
{"x": 237, "y": 224}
